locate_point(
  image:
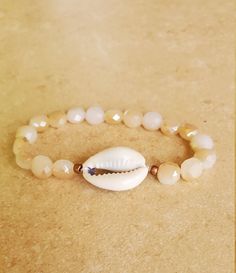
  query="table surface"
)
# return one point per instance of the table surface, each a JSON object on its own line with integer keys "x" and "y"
{"x": 175, "y": 57}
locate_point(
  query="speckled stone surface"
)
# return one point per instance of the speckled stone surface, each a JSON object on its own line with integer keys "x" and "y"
{"x": 176, "y": 57}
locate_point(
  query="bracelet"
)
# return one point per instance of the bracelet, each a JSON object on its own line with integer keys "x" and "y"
{"x": 116, "y": 168}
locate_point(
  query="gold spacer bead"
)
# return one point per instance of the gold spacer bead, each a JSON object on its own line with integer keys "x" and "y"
{"x": 78, "y": 168}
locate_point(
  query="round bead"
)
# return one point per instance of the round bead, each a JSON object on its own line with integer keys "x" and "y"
{"x": 42, "y": 166}
{"x": 63, "y": 169}
{"x": 23, "y": 162}
{"x": 168, "y": 173}
{"x": 40, "y": 123}
{"x": 207, "y": 157}
{"x": 57, "y": 119}
{"x": 113, "y": 116}
{"x": 187, "y": 131}
{"x": 76, "y": 115}
{"x": 152, "y": 121}
{"x": 78, "y": 168}
{"x": 202, "y": 142}
{"x": 95, "y": 115}
{"x": 28, "y": 133}
{"x": 191, "y": 168}
{"x": 133, "y": 119}
{"x": 17, "y": 145}
{"x": 154, "y": 170}
{"x": 169, "y": 130}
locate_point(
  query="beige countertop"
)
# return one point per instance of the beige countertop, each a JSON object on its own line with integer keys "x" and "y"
{"x": 175, "y": 57}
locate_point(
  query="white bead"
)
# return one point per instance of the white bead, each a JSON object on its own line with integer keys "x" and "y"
{"x": 207, "y": 157}
{"x": 63, "y": 169}
{"x": 27, "y": 132}
{"x": 41, "y": 166}
{"x": 191, "y": 168}
{"x": 75, "y": 115}
{"x": 132, "y": 118}
{"x": 95, "y": 115}
{"x": 152, "y": 121}
{"x": 23, "y": 161}
{"x": 200, "y": 141}
{"x": 168, "y": 173}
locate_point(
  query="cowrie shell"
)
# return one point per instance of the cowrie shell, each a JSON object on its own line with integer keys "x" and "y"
{"x": 128, "y": 164}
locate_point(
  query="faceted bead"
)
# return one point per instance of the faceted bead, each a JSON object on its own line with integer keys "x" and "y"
{"x": 17, "y": 145}
{"x": 152, "y": 121}
{"x": 187, "y": 131}
{"x": 133, "y": 119}
{"x": 76, "y": 115}
{"x": 40, "y": 123}
{"x": 191, "y": 168}
{"x": 42, "y": 166}
{"x": 95, "y": 115}
{"x": 23, "y": 161}
{"x": 57, "y": 119}
{"x": 169, "y": 130}
{"x": 201, "y": 142}
{"x": 63, "y": 169}
{"x": 113, "y": 116}
{"x": 207, "y": 157}
{"x": 168, "y": 173}
{"x": 28, "y": 133}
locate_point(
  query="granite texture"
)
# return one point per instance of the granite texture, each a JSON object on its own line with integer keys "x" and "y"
{"x": 176, "y": 57}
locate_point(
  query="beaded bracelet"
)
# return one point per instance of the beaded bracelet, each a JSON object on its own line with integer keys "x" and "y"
{"x": 117, "y": 168}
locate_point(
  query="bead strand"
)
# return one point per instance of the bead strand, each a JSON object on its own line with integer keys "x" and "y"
{"x": 167, "y": 173}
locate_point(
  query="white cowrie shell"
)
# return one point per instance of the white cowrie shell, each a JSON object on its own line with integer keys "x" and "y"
{"x": 129, "y": 162}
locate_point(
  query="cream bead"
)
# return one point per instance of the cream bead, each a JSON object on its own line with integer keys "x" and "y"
{"x": 201, "y": 142}
{"x": 17, "y": 145}
{"x": 76, "y": 115}
{"x": 152, "y": 121}
{"x": 207, "y": 157}
{"x": 57, "y": 119}
{"x": 23, "y": 161}
{"x": 168, "y": 173}
{"x": 113, "y": 116}
{"x": 63, "y": 169}
{"x": 191, "y": 169}
{"x": 42, "y": 166}
{"x": 95, "y": 115}
{"x": 132, "y": 119}
{"x": 169, "y": 130}
{"x": 28, "y": 133}
{"x": 187, "y": 131}
{"x": 40, "y": 123}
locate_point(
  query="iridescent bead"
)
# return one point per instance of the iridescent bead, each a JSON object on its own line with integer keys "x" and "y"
{"x": 76, "y": 115}
{"x": 191, "y": 169}
{"x": 28, "y": 133}
{"x": 132, "y": 119}
{"x": 152, "y": 121}
{"x": 201, "y": 142}
{"x": 168, "y": 173}
{"x": 113, "y": 116}
{"x": 63, "y": 169}
{"x": 207, "y": 157}
{"x": 57, "y": 119}
{"x": 40, "y": 123}
{"x": 42, "y": 166}
{"x": 187, "y": 131}
{"x": 94, "y": 115}
{"x": 170, "y": 130}
{"x": 23, "y": 161}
